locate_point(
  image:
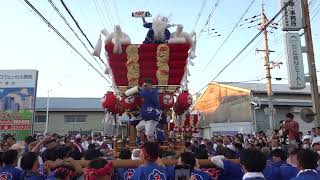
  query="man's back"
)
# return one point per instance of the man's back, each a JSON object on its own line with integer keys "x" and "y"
{"x": 308, "y": 175}
{"x": 9, "y": 172}
{"x": 150, "y": 171}
{"x": 200, "y": 175}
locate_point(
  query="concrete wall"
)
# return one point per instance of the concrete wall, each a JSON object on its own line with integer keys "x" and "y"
{"x": 221, "y": 104}
{"x": 58, "y": 125}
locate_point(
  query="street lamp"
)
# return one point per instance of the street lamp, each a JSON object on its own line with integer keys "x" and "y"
{"x": 47, "y": 113}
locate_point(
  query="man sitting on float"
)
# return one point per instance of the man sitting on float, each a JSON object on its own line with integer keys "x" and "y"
{"x": 150, "y": 112}
{"x": 158, "y": 30}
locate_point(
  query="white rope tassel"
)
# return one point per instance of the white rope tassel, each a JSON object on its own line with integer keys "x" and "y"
{"x": 190, "y": 62}
{"x": 105, "y": 32}
{"x": 188, "y": 71}
{"x": 192, "y": 53}
{"x": 97, "y": 48}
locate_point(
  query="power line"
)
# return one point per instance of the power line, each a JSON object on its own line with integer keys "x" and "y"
{"x": 210, "y": 16}
{"x": 252, "y": 40}
{"x": 78, "y": 26}
{"x": 115, "y": 5}
{"x": 229, "y": 35}
{"x": 199, "y": 14}
{"x": 99, "y": 11}
{"x": 109, "y": 14}
{"x": 75, "y": 21}
{"x": 63, "y": 38}
{"x": 68, "y": 24}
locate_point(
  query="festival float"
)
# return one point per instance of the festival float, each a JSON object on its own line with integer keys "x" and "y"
{"x": 164, "y": 58}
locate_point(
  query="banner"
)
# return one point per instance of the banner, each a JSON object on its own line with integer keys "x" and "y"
{"x": 294, "y": 59}
{"x": 17, "y": 101}
{"x": 291, "y": 16}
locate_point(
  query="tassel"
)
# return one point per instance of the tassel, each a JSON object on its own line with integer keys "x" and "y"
{"x": 105, "y": 32}
{"x": 188, "y": 71}
{"x": 97, "y": 48}
{"x": 192, "y": 54}
{"x": 190, "y": 62}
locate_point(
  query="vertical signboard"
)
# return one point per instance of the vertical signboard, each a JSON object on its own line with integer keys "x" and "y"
{"x": 17, "y": 101}
{"x": 294, "y": 61}
{"x": 291, "y": 15}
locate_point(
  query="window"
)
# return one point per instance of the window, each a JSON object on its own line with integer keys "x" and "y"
{"x": 40, "y": 119}
{"x": 87, "y": 133}
{"x": 75, "y": 118}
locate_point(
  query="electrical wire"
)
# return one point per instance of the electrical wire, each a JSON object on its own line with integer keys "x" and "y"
{"x": 101, "y": 15}
{"x": 75, "y": 21}
{"x": 115, "y": 5}
{"x": 229, "y": 35}
{"x": 64, "y": 39}
{"x": 78, "y": 26}
{"x": 68, "y": 24}
{"x": 199, "y": 14}
{"x": 209, "y": 16}
{"x": 109, "y": 14}
{"x": 250, "y": 42}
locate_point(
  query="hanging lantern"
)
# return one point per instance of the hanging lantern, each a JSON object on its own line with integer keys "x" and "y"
{"x": 184, "y": 101}
{"x": 166, "y": 101}
{"x": 130, "y": 102}
{"x": 109, "y": 102}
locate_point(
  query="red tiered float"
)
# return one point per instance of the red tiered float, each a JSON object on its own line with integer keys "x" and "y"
{"x": 163, "y": 63}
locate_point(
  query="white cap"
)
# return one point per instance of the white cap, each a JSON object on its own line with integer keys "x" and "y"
{"x": 306, "y": 137}
{"x": 230, "y": 146}
{"x": 78, "y": 136}
{"x": 135, "y": 154}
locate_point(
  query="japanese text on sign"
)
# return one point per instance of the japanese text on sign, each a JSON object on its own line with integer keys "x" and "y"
{"x": 292, "y": 19}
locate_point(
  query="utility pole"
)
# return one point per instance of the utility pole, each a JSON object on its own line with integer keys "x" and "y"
{"x": 267, "y": 67}
{"x": 47, "y": 113}
{"x": 311, "y": 63}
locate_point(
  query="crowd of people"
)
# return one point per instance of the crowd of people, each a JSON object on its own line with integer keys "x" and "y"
{"x": 280, "y": 156}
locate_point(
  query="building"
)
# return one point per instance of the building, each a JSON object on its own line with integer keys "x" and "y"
{"x": 229, "y": 108}
{"x": 71, "y": 116}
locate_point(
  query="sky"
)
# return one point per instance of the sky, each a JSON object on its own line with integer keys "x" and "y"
{"x": 26, "y": 42}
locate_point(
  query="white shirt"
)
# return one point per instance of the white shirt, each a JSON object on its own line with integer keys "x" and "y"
{"x": 316, "y": 140}
{"x": 85, "y": 145}
{"x": 252, "y": 175}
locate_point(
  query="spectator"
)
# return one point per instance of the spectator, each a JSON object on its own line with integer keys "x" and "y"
{"x": 30, "y": 165}
{"x": 279, "y": 169}
{"x": 5, "y": 146}
{"x": 292, "y": 159}
{"x": 317, "y": 135}
{"x": 187, "y": 146}
{"x": 27, "y": 141}
{"x": 150, "y": 169}
{"x": 230, "y": 170}
{"x": 202, "y": 152}
{"x": 98, "y": 169}
{"x": 9, "y": 170}
{"x": 275, "y": 144}
{"x": 306, "y": 142}
{"x": 92, "y": 154}
{"x": 307, "y": 163}
{"x": 188, "y": 158}
{"x": 253, "y": 163}
{"x": 292, "y": 129}
{"x": 125, "y": 173}
{"x": 136, "y": 154}
{"x": 9, "y": 139}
